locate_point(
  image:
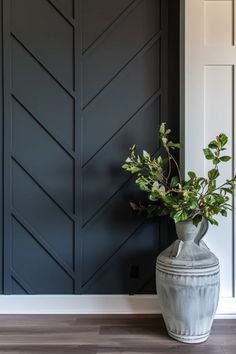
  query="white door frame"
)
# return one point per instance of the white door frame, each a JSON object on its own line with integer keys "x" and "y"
{"x": 208, "y": 59}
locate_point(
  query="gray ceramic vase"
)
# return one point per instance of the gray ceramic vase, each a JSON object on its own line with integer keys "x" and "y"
{"x": 188, "y": 281}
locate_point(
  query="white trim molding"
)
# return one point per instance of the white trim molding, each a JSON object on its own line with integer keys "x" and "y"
{"x": 94, "y": 304}
{"x": 208, "y": 96}
{"x": 79, "y": 304}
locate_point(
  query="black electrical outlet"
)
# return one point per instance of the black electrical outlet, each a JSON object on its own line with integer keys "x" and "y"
{"x": 134, "y": 271}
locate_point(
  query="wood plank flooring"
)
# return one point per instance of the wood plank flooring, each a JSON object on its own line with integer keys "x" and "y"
{"x": 64, "y": 334}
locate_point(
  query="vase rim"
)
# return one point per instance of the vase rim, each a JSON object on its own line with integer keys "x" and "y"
{"x": 185, "y": 221}
{"x": 189, "y": 221}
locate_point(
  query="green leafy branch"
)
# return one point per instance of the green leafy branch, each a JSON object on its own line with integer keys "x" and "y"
{"x": 193, "y": 198}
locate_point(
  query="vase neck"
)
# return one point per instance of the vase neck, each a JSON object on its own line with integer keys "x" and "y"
{"x": 204, "y": 225}
{"x": 187, "y": 231}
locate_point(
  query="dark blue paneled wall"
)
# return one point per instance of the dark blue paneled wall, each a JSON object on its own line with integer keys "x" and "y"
{"x": 82, "y": 81}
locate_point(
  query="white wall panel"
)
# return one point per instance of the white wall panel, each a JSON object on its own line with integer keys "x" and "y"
{"x": 209, "y": 69}
{"x": 218, "y": 22}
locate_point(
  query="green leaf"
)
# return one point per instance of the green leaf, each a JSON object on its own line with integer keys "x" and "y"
{"x": 132, "y": 149}
{"x": 180, "y": 215}
{"x": 168, "y": 131}
{"x": 225, "y": 158}
{"x": 213, "y": 174}
{"x": 216, "y": 160}
{"x": 159, "y": 160}
{"x": 162, "y": 190}
{"x": 143, "y": 183}
{"x": 227, "y": 190}
{"x": 223, "y": 139}
{"x": 223, "y": 212}
{"x": 174, "y": 181}
{"x": 212, "y": 185}
{"x": 193, "y": 203}
{"x": 134, "y": 169}
{"x": 219, "y": 198}
{"x": 164, "y": 140}
{"x": 197, "y": 219}
{"x": 192, "y": 174}
{"x": 125, "y": 166}
{"x": 162, "y": 128}
{"x": 155, "y": 186}
{"x": 216, "y": 209}
{"x": 208, "y": 154}
{"x": 134, "y": 206}
{"x": 153, "y": 197}
{"x": 213, "y": 144}
{"x": 146, "y": 155}
{"x": 212, "y": 220}
{"x": 173, "y": 146}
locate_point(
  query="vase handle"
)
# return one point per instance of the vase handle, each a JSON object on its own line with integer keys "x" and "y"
{"x": 202, "y": 232}
{"x": 176, "y": 248}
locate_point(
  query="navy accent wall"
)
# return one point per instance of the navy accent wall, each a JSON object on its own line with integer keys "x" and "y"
{"x": 82, "y": 81}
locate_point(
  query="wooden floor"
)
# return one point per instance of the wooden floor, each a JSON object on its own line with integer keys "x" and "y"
{"x": 96, "y": 335}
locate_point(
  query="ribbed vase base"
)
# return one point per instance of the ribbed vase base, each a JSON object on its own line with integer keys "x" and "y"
{"x": 189, "y": 339}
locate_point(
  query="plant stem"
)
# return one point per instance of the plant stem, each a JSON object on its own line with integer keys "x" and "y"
{"x": 169, "y": 166}
{"x": 221, "y": 186}
{"x": 177, "y": 167}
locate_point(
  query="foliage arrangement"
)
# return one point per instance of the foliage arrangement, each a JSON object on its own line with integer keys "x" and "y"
{"x": 193, "y": 198}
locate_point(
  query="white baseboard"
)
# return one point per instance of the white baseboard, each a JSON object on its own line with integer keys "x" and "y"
{"x": 79, "y": 304}
{"x": 95, "y": 304}
{"x": 226, "y": 308}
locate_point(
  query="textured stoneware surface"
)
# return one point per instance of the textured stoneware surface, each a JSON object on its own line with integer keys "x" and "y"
{"x": 187, "y": 280}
